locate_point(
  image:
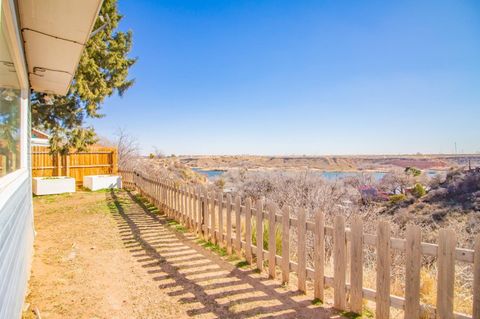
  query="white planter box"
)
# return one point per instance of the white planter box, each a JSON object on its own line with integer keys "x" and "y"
{"x": 53, "y": 185}
{"x": 96, "y": 182}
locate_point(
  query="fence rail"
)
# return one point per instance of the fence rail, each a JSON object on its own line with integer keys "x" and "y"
{"x": 228, "y": 222}
{"x": 96, "y": 161}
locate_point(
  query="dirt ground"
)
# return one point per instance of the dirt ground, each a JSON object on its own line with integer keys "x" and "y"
{"x": 111, "y": 255}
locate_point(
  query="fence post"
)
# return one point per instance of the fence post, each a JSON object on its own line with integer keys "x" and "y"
{"x": 169, "y": 199}
{"x": 339, "y": 262}
{"x": 272, "y": 244}
{"x": 206, "y": 211}
{"x": 413, "y": 256}
{"x": 383, "y": 271}
{"x": 177, "y": 203}
{"x": 188, "y": 204}
{"x": 191, "y": 191}
{"x": 183, "y": 208}
{"x": 186, "y": 207}
{"x": 183, "y": 205}
{"x": 319, "y": 256}
{"x": 199, "y": 211}
{"x": 156, "y": 193}
{"x": 229, "y": 224}
{"x": 213, "y": 235}
{"x": 59, "y": 164}
{"x": 356, "y": 265}
{"x": 248, "y": 230}
{"x": 238, "y": 227}
{"x": 446, "y": 273}
{"x": 285, "y": 245}
{"x": 259, "y": 237}
{"x": 163, "y": 195}
{"x": 67, "y": 164}
{"x": 302, "y": 263}
{"x": 114, "y": 159}
{"x": 220, "y": 219}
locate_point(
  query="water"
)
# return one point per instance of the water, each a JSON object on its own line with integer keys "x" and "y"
{"x": 328, "y": 175}
{"x": 209, "y": 173}
{"x": 376, "y": 175}
{"x": 333, "y": 176}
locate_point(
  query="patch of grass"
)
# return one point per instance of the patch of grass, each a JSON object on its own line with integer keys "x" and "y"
{"x": 172, "y": 222}
{"x": 212, "y": 247}
{"x": 52, "y": 198}
{"x": 266, "y": 236}
{"x": 103, "y": 190}
{"x": 176, "y": 225}
{"x": 317, "y": 302}
{"x": 146, "y": 203}
{"x": 241, "y": 264}
{"x": 233, "y": 257}
{"x": 368, "y": 313}
{"x": 352, "y": 315}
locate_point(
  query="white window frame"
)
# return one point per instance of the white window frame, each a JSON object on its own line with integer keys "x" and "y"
{"x": 11, "y": 181}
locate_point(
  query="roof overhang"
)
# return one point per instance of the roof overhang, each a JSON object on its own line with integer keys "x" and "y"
{"x": 55, "y": 33}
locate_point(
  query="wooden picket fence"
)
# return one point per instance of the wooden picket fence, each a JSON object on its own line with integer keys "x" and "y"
{"x": 219, "y": 219}
{"x": 96, "y": 161}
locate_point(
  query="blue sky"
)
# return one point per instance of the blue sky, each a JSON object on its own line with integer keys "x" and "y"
{"x": 301, "y": 77}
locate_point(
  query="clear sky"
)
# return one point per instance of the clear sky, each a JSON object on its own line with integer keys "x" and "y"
{"x": 301, "y": 77}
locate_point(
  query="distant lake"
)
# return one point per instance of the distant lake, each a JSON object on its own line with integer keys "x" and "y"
{"x": 328, "y": 175}
{"x": 333, "y": 176}
{"x": 209, "y": 173}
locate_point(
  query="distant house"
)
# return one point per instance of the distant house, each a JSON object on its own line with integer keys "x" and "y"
{"x": 39, "y": 138}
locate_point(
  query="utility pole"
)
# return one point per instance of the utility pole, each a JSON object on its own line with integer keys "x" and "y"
{"x": 455, "y": 148}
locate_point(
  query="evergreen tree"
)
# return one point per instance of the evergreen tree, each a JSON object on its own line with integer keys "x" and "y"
{"x": 102, "y": 72}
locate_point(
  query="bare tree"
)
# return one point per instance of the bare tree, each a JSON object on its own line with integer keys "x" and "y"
{"x": 128, "y": 149}
{"x": 396, "y": 182}
{"x": 158, "y": 152}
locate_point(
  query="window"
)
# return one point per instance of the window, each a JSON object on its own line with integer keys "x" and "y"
{"x": 10, "y": 114}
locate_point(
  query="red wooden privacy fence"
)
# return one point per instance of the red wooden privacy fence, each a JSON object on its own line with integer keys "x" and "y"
{"x": 230, "y": 223}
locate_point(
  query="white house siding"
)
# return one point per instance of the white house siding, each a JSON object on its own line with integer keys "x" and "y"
{"x": 16, "y": 212}
{"x": 16, "y": 242}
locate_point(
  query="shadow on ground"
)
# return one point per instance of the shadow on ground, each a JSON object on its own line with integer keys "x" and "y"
{"x": 207, "y": 284}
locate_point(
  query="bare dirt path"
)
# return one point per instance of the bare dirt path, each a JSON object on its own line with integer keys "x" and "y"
{"x": 111, "y": 255}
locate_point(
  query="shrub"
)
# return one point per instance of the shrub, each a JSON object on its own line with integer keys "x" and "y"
{"x": 220, "y": 183}
{"x": 397, "y": 198}
{"x": 418, "y": 190}
{"x": 413, "y": 171}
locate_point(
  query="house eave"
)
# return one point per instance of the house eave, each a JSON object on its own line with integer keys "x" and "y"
{"x": 55, "y": 33}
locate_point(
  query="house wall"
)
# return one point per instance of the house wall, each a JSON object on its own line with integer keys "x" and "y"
{"x": 16, "y": 211}
{"x": 16, "y": 229}
{"x": 16, "y": 242}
